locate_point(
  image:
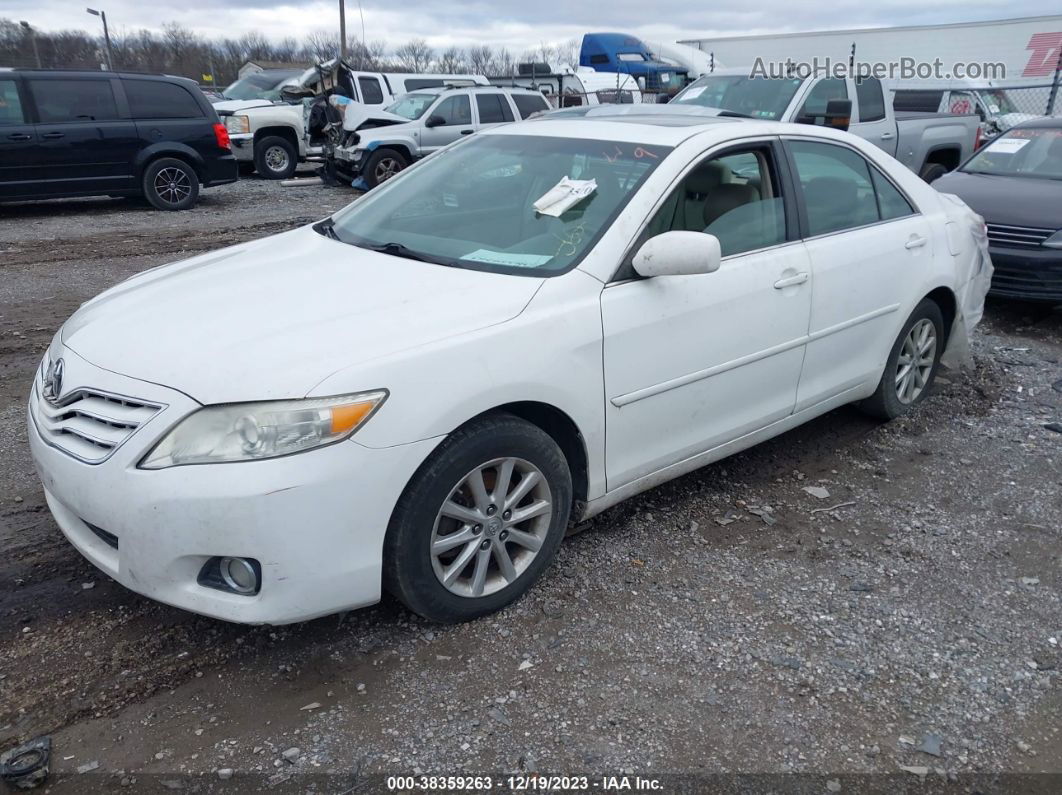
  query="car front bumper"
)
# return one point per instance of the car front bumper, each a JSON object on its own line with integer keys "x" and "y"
{"x": 1031, "y": 274}
{"x": 314, "y": 521}
{"x": 242, "y": 146}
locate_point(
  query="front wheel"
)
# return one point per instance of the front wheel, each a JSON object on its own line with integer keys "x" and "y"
{"x": 912, "y": 364}
{"x": 275, "y": 157}
{"x": 170, "y": 184}
{"x": 382, "y": 165}
{"x": 479, "y": 522}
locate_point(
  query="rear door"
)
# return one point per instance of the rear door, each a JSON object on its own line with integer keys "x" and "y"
{"x": 492, "y": 109}
{"x": 87, "y": 140}
{"x": 867, "y": 243}
{"x": 18, "y": 142}
{"x": 870, "y": 121}
{"x": 164, "y": 111}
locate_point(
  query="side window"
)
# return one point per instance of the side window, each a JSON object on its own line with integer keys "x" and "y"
{"x": 871, "y": 99}
{"x": 153, "y": 99}
{"x": 371, "y": 93}
{"x": 821, "y": 93}
{"x": 493, "y": 109}
{"x": 10, "y": 104}
{"x": 454, "y": 110}
{"x": 529, "y": 103}
{"x": 74, "y": 100}
{"x": 891, "y": 203}
{"x": 837, "y": 189}
{"x": 735, "y": 196}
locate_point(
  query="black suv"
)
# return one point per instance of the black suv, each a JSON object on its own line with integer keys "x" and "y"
{"x": 73, "y": 133}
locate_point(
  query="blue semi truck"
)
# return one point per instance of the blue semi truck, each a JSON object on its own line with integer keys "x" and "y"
{"x": 621, "y": 52}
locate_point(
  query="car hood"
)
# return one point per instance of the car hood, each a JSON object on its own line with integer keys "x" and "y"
{"x": 1014, "y": 201}
{"x": 236, "y": 105}
{"x": 271, "y": 319}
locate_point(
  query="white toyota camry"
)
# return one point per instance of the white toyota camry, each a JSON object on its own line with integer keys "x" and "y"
{"x": 421, "y": 392}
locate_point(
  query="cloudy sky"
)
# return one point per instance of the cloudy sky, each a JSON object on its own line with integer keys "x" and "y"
{"x": 517, "y": 24}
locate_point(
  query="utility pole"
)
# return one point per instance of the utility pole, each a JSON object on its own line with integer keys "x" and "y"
{"x": 106, "y": 34}
{"x": 342, "y": 30}
{"x": 33, "y": 38}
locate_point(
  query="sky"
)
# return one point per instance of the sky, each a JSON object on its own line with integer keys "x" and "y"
{"x": 517, "y": 24}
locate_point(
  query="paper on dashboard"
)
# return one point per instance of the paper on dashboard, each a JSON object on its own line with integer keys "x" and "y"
{"x": 564, "y": 195}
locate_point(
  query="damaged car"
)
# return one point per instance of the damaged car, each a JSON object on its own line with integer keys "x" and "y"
{"x": 520, "y": 331}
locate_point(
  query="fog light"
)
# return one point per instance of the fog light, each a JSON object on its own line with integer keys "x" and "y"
{"x": 239, "y": 574}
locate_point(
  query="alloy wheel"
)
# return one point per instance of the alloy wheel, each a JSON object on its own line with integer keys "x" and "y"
{"x": 915, "y": 363}
{"x": 491, "y": 527}
{"x": 276, "y": 159}
{"x": 386, "y": 169}
{"x": 173, "y": 185}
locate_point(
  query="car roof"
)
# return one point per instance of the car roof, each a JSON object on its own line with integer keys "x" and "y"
{"x": 448, "y": 89}
{"x": 655, "y": 124}
{"x": 1043, "y": 121}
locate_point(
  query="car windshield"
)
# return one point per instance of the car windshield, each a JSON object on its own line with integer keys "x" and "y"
{"x": 471, "y": 205}
{"x": 756, "y": 97}
{"x": 411, "y": 106}
{"x": 1021, "y": 152}
{"x": 260, "y": 86}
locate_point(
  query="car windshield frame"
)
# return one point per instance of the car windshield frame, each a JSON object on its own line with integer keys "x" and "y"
{"x": 704, "y": 97}
{"x": 409, "y": 97}
{"x": 527, "y": 157}
{"x": 270, "y": 91}
{"x": 977, "y": 163}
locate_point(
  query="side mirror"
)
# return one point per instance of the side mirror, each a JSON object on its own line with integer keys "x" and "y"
{"x": 839, "y": 113}
{"x": 678, "y": 254}
{"x": 435, "y": 121}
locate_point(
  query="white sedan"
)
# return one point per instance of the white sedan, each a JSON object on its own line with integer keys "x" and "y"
{"x": 421, "y": 392}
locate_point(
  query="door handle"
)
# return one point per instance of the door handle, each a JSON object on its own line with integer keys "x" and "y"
{"x": 467, "y": 132}
{"x": 887, "y": 136}
{"x": 19, "y": 137}
{"x": 791, "y": 281}
{"x": 915, "y": 242}
{"x": 53, "y": 135}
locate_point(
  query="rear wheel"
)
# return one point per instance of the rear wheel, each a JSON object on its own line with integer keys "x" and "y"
{"x": 275, "y": 157}
{"x": 170, "y": 184}
{"x": 479, "y": 522}
{"x": 932, "y": 171}
{"x": 912, "y": 364}
{"x": 382, "y": 165}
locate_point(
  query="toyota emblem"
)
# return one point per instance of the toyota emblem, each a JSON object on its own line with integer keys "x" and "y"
{"x": 53, "y": 381}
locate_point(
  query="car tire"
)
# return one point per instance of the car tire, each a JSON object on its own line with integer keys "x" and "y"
{"x": 912, "y": 364}
{"x": 440, "y": 521}
{"x": 170, "y": 184}
{"x": 382, "y": 165}
{"x": 275, "y": 157}
{"x": 931, "y": 172}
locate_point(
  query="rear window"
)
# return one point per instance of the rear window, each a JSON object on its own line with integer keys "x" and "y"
{"x": 74, "y": 100}
{"x": 871, "y": 99}
{"x": 493, "y": 109}
{"x": 153, "y": 99}
{"x": 529, "y": 103}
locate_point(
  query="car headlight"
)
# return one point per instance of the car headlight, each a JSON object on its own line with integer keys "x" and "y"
{"x": 238, "y": 124}
{"x": 1055, "y": 241}
{"x": 253, "y": 431}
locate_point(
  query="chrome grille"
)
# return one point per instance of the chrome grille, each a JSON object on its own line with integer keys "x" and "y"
{"x": 88, "y": 424}
{"x": 1018, "y": 236}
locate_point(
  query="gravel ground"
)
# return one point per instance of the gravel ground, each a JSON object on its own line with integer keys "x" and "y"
{"x": 899, "y": 627}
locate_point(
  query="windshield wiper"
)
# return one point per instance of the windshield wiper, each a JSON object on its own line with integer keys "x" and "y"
{"x": 734, "y": 113}
{"x": 327, "y": 227}
{"x": 399, "y": 250}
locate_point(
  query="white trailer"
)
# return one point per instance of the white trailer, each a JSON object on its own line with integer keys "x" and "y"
{"x": 1028, "y": 47}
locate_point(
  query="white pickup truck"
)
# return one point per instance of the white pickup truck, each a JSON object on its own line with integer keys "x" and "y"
{"x": 270, "y": 131}
{"x": 930, "y": 144}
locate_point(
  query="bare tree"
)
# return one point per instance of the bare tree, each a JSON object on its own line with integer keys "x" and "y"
{"x": 452, "y": 61}
{"x": 568, "y": 52}
{"x": 415, "y": 55}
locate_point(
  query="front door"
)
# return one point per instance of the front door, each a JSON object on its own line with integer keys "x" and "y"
{"x": 18, "y": 143}
{"x": 86, "y": 144}
{"x": 692, "y": 362}
{"x": 867, "y": 244}
{"x": 455, "y": 113}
